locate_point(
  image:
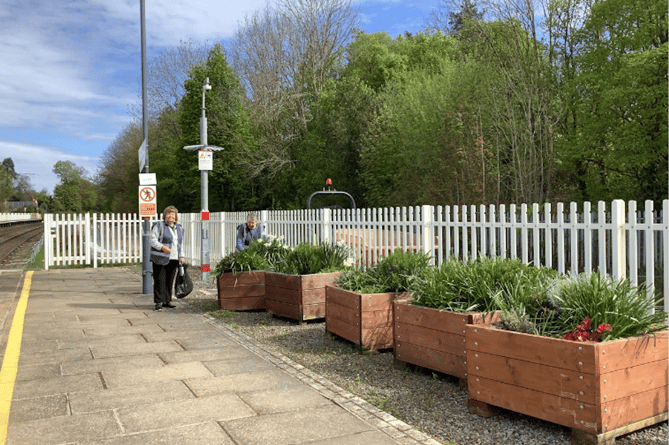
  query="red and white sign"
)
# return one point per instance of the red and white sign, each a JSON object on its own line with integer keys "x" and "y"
{"x": 147, "y": 200}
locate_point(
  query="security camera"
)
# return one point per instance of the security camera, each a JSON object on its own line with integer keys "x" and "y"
{"x": 207, "y": 87}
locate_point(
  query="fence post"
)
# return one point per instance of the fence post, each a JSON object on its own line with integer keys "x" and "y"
{"x": 427, "y": 215}
{"x": 223, "y": 234}
{"x": 326, "y": 228}
{"x": 48, "y": 244}
{"x": 618, "y": 250}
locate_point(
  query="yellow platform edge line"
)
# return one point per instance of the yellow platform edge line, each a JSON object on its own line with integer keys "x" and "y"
{"x": 10, "y": 363}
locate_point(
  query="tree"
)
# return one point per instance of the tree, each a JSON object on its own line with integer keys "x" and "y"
{"x": 450, "y": 16}
{"x": 117, "y": 180}
{"x": 283, "y": 56}
{"x": 228, "y": 127}
{"x": 74, "y": 193}
{"x": 619, "y": 146}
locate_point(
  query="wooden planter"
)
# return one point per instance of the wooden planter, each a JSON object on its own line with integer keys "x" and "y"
{"x": 433, "y": 338}
{"x": 298, "y": 297}
{"x": 364, "y": 319}
{"x": 600, "y": 390}
{"x": 241, "y": 291}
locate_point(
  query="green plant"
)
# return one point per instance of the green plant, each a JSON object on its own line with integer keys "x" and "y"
{"x": 477, "y": 285}
{"x": 572, "y": 304}
{"x": 393, "y": 273}
{"x": 244, "y": 261}
{"x": 310, "y": 259}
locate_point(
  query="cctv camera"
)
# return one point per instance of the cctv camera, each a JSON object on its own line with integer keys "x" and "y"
{"x": 207, "y": 87}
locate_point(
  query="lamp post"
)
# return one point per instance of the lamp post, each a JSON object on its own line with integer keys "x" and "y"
{"x": 205, "y": 151}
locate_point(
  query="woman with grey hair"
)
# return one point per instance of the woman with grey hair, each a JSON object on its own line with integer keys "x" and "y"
{"x": 167, "y": 253}
{"x": 248, "y": 232}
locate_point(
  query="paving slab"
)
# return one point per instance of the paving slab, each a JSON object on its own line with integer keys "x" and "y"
{"x": 184, "y": 412}
{"x": 129, "y": 396}
{"x": 111, "y": 365}
{"x": 138, "y": 376}
{"x": 209, "y": 433}
{"x": 64, "y": 429}
{"x": 284, "y": 399}
{"x": 45, "y": 407}
{"x": 240, "y": 383}
{"x": 58, "y": 385}
{"x": 129, "y": 349}
{"x": 296, "y": 427}
{"x": 35, "y": 372}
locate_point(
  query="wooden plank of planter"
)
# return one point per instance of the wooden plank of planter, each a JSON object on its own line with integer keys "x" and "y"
{"x": 576, "y": 356}
{"x": 564, "y": 411}
{"x": 548, "y": 379}
{"x": 379, "y": 336}
{"x": 634, "y": 408}
{"x": 232, "y": 279}
{"x": 430, "y": 338}
{"x": 283, "y": 309}
{"x": 450, "y": 364}
{"x": 312, "y": 311}
{"x": 342, "y": 329}
{"x": 242, "y": 304}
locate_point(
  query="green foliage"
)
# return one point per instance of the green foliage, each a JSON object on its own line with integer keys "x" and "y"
{"x": 74, "y": 193}
{"x": 559, "y": 307}
{"x": 307, "y": 258}
{"x": 393, "y": 273}
{"x": 616, "y": 143}
{"x": 262, "y": 254}
{"x": 477, "y": 285}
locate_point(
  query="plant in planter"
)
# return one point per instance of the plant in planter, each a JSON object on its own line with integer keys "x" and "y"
{"x": 241, "y": 275}
{"x": 589, "y": 354}
{"x": 359, "y": 309}
{"x": 296, "y": 287}
{"x": 430, "y": 330}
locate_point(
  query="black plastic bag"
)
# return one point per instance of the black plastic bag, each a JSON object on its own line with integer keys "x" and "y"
{"x": 183, "y": 285}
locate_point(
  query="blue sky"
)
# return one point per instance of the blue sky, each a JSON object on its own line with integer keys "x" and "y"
{"x": 70, "y": 70}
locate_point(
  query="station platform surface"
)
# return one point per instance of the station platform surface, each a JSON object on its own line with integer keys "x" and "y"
{"x": 93, "y": 363}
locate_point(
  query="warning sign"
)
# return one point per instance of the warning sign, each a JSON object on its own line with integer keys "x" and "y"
{"x": 147, "y": 200}
{"x": 206, "y": 160}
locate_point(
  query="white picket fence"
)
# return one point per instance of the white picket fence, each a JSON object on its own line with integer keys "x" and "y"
{"x": 614, "y": 238}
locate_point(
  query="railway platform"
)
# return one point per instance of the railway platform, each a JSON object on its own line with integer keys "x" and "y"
{"x": 87, "y": 361}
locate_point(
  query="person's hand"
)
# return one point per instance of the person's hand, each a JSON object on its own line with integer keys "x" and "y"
{"x": 166, "y": 249}
{"x": 182, "y": 260}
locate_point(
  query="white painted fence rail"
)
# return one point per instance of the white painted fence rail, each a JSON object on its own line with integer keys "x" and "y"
{"x": 613, "y": 238}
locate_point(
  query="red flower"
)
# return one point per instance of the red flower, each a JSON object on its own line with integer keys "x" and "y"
{"x": 604, "y": 327}
{"x": 585, "y": 326}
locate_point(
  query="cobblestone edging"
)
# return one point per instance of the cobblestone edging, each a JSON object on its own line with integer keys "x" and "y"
{"x": 395, "y": 428}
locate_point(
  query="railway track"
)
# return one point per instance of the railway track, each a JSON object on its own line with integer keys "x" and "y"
{"x": 16, "y": 242}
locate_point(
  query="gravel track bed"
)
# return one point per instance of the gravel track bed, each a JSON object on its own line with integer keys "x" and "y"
{"x": 430, "y": 402}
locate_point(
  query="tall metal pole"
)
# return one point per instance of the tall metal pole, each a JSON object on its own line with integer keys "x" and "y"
{"x": 204, "y": 179}
{"x": 146, "y": 229}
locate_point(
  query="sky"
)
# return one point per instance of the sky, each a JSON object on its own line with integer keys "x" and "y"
{"x": 70, "y": 70}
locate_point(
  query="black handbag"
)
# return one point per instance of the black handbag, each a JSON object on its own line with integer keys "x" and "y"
{"x": 183, "y": 285}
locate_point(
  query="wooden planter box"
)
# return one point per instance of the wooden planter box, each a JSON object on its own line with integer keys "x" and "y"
{"x": 433, "y": 338}
{"x": 298, "y": 297}
{"x": 241, "y": 291}
{"x": 364, "y": 319}
{"x": 600, "y": 390}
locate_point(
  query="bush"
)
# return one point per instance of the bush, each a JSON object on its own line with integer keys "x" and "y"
{"x": 393, "y": 273}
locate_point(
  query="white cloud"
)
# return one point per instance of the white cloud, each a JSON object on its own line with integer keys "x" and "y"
{"x": 37, "y": 162}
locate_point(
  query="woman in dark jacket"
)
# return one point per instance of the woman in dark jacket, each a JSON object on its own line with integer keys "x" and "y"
{"x": 167, "y": 238}
{"x": 248, "y": 232}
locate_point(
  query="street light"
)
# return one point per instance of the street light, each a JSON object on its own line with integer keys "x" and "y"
{"x": 204, "y": 149}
